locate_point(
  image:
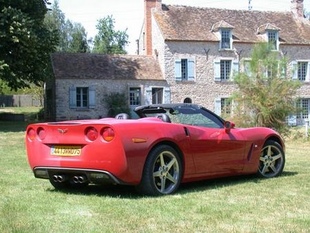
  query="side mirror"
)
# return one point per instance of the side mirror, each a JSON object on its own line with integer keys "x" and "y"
{"x": 228, "y": 126}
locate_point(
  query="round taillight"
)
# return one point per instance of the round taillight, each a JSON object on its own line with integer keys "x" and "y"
{"x": 91, "y": 133}
{"x": 108, "y": 134}
{"x": 31, "y": 134}
{"x": 41, "y": 133}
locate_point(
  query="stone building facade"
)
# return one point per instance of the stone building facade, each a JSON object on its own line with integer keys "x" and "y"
{"x": 185, "y": 54}
{"x": 83, "y": 80}
{"x": 205, "y": 46}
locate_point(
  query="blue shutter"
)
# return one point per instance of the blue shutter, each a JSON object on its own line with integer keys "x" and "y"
{"x": 235, "y": 68}
{"x": 92, "y": 96}
{"x": 148, "y": 95}
{"x": 191, "y": 70}
{"x": 177, "y": 70}
{"x": 294, "y": 69}
{"x": 217, "y": 106}
{"x": 217, "y": 70}
{"x": 167, "y": 95}
{"x": 72, "y": 97}
{"x": 308, "y": 73}
{"x": 247, "y": 67}
{"x": 283, "y": 70}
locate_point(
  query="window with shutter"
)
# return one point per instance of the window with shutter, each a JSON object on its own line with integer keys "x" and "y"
{"x": 167, "y": 95}
{"x": 157, "y": 95}
{"x": 92, "y": 97}
{"x": 82, "y": 97}
{"x": 72, "y": 97}
{"x": 223, "y": 106}
{"x": 225, "y": 69}
{"x": 184, "y": 70}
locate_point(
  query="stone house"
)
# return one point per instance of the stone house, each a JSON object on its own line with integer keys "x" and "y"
{"x": 82, "y": 80}
{"x": 192, "y": 52}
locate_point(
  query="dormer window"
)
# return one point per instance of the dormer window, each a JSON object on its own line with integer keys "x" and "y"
{"x": 223, "y": 31}
{"x": 225, "y": 39}
{"x": 270, "y": 33}
{"x": 273, "y": 39}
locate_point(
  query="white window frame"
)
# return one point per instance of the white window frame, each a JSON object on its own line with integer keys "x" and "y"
{"x": 234, "y": 67}
{"x": 135, "y": 96}
{"x": 73, "y": 97}
{"x": 303, "y": 104}
{"x": 295, "y": 70}
{"x": 185, "y": 69}
{"x": 274, "y": 42}
{"x": 153, "y": 98}
{"x": 303, "y": 113}
{"x": 220, "y": 105}
{"x": 223, "y": 44}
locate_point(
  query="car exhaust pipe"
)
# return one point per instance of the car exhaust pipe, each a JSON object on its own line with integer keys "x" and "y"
{"x": 58, "y": 178}
{"x": 79, "y": 179}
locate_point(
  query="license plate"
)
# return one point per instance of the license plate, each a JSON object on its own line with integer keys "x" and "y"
{"x": 66, "y": 150}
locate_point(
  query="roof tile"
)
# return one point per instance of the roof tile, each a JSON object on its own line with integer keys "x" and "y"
{"x": 102, "y": 66}
{"x": 187, "y": 23}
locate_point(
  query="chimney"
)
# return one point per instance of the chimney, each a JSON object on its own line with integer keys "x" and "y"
{"x": 297, "y": 8}
{"x": 148, "y": 5}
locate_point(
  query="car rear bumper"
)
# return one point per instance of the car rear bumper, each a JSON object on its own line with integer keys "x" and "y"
{"x": 76, "y": 175}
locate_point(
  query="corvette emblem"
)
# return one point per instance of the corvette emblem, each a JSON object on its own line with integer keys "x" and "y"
{"x": 62, "y": 131}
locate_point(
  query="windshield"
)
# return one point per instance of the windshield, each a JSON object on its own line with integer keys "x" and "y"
{"x": 190, "y": 116}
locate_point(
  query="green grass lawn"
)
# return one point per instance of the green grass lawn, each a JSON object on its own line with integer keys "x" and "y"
{"x": 30, "y": 113}
{"x": 242, "y": 204}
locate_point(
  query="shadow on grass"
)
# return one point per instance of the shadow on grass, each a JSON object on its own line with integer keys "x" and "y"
{"x": 13, "y": 126}
{"x": 115, "y": 191}
{"x": 123, "y": 191}
{"x": 226, "y": 182}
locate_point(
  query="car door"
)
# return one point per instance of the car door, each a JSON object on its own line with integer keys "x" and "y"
{"x": 216, "y": 151}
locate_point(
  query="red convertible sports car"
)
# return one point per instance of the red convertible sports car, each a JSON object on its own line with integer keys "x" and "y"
{"x": 169, "y": 144}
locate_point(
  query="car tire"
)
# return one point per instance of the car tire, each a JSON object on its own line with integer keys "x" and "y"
{"x": 272, "y": 160}
{"x": 162, "y": 172}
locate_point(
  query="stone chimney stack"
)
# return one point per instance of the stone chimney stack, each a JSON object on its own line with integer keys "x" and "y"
{"x": 297, "y": 8}
{"x": 148, "y": 5}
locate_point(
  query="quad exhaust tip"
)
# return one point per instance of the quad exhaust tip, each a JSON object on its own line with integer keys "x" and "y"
{"x": 59, "y": 178}
{"x": 79, "y": 179}
{"x": 75, "y": 179}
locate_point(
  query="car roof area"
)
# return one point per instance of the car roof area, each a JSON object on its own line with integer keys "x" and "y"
{"x": 163, "y": 108}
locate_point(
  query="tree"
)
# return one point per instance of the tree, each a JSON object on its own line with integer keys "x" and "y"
{"x": 266, "y": 93}
{"x": 72, "y": 37}
{"x": 25, "y": 44}
{"x": 78, "y": 38}
{"x": 108, "y": 40}
{"x": 116, "y": 103}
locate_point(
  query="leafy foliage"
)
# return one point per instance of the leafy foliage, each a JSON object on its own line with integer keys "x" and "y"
{"x": 266, "y": 92}
{"x": 116, "y": 103}
{"x": 25, "y": 42}
{"x": 72, "y": 36}
{"x": 108, "y": 40}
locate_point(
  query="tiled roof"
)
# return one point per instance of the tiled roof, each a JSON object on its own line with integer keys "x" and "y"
{"x": 187, "y": 23}
{"x": 102, "y": 66}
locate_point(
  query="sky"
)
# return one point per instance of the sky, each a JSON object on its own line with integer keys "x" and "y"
{"x": 129, "y": 14}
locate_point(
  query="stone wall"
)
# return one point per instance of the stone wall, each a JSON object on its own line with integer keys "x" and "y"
{"x": 204, "y": 89}
{"x": 102, "y": 87}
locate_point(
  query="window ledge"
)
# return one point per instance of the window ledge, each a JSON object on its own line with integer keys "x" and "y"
{"x": 185, "y": 82}
{"x": 228, "y": 50}
{"x": 82, "y": 109}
